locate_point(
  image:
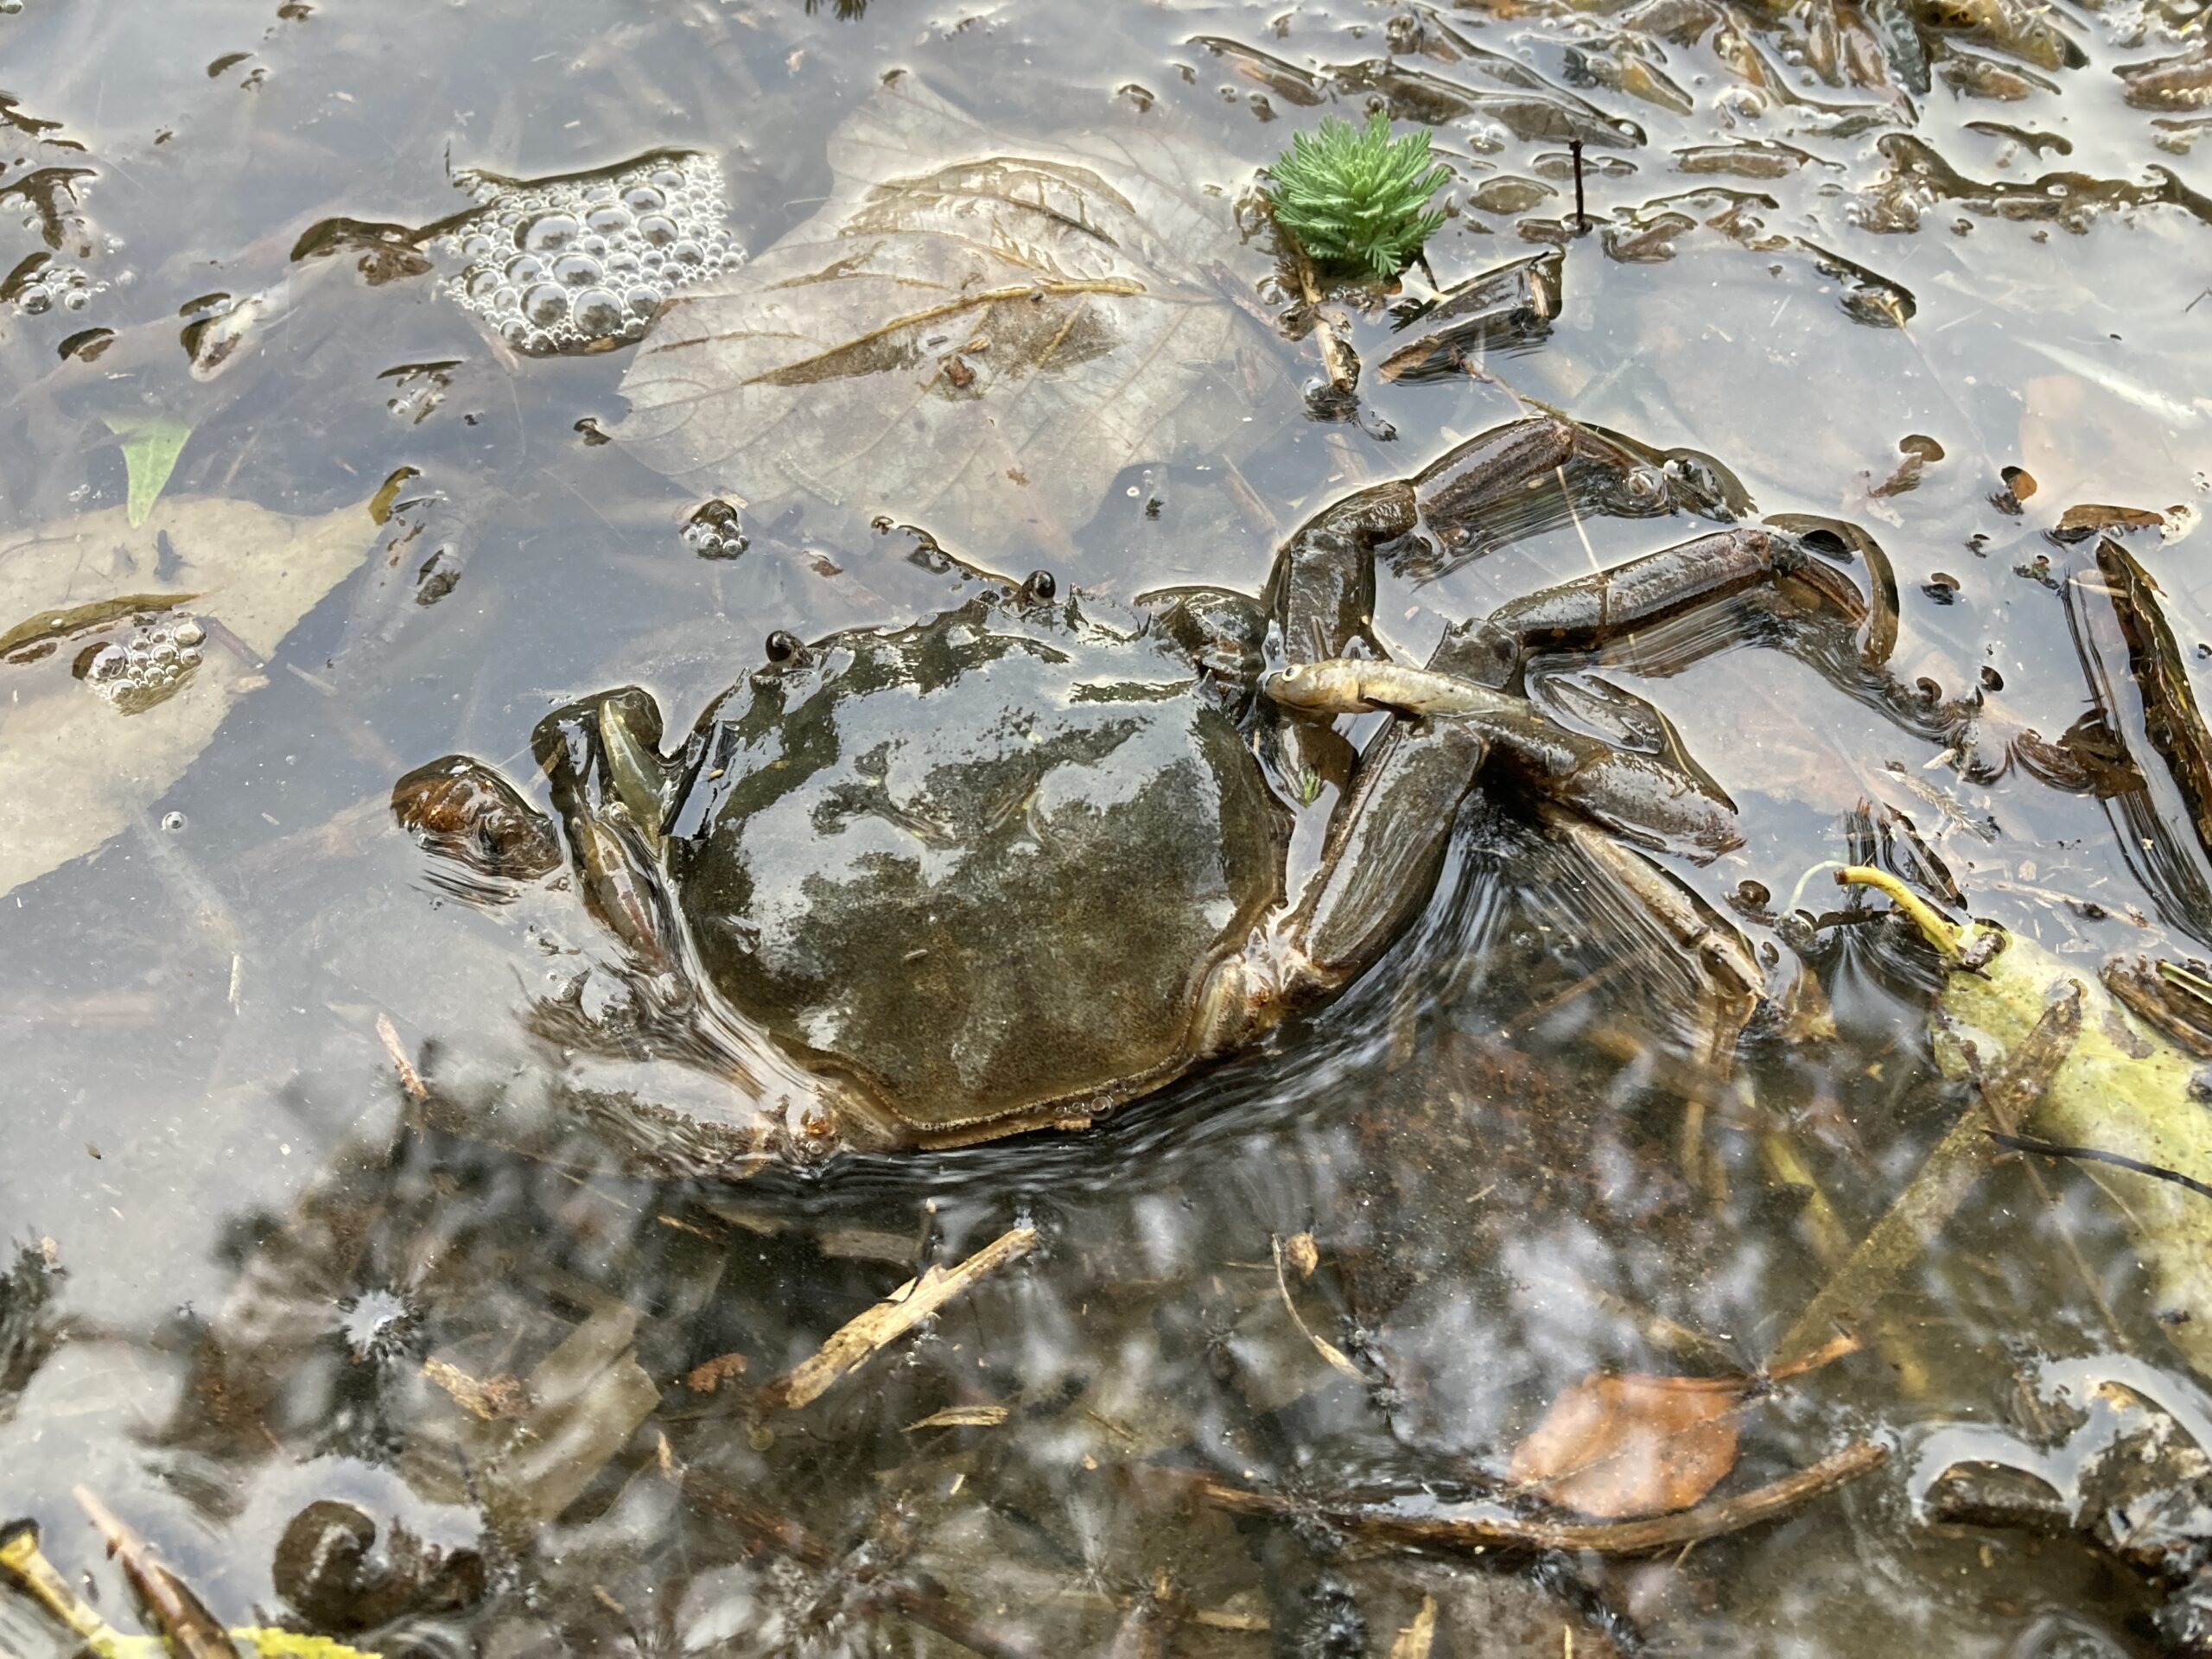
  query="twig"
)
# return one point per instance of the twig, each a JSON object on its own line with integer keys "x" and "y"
{"x": 410, "y": 1080}
{"x": 174, "y": 1611}
{"x": 1581, "y": 216}
{"x": 1322, "y": 1345}
{"x": 787, "y": 1537}
{"x": 1479, "y": 1533}
{"x": 851, "y": 1346}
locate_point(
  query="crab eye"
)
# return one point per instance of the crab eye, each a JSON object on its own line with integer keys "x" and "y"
{"x": 1038, "y": 585}
{"x": 1646, "y": 486}
{"x": 784, "y": 646}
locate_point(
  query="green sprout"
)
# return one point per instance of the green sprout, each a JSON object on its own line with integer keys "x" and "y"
{"x": 1357, "y": 197}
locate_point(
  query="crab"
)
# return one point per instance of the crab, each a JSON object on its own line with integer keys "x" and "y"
{"x": 1027, "y": 860}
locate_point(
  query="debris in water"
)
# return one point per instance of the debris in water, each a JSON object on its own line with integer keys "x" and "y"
{"x": 1619, "y": 1446}
{"x": 852, "y": 1344}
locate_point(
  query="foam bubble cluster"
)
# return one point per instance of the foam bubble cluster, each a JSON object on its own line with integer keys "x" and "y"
{"x": 583, "y": 263}
{"x": 714, "y": 532}
{"x": 39, "y": 290}
{"x": 148, "y": 665}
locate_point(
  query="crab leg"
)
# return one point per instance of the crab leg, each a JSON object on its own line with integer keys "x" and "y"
{"x": 1321, "y": 591}
{"x": 1491, "y": 490}
{"x": 1471, "y": 484}
{"x": 606, "y": 802}
{"x": 1386, "y": 847}
{"x": 1641, "y": 797}
{"x": 1592, "y": 611}
{"x": 1528, "y": 475}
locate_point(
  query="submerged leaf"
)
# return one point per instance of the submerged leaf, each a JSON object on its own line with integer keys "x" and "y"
{"x": 74, "y": 768}
{"x": 152, "y": 444}
{"x": 2122, "y": 1091}
{"x": 971, "y": 334}
{"x": 1620, "y": 1445}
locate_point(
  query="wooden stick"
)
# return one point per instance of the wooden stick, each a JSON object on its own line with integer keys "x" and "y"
{"x": 856, "y": 1343}
{"x": 1476, "y": 1533}
{"x": 174, "y": 1611}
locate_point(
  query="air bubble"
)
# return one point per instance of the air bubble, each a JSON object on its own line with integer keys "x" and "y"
{"x": 598, "y": 312}
{"x": 714, "y": 531}
{"x": 172, "y": 822}
{"x": 146, "y": 666}
{"x": 545, "y": 305}
{"x": 549, "y": 233}
{"x": 574, "y": 271}
{"x": 38, "y": 285}
{"x": 568, "y": 264}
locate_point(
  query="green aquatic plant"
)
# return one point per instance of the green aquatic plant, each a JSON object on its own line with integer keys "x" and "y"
{"x": 1357, "y": 198}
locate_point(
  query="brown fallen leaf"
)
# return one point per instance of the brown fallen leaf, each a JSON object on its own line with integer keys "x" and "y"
{"x": 2087, "y": 516}
{"x": 1626, "y": 1444}
{"x": 707, "y": 1377}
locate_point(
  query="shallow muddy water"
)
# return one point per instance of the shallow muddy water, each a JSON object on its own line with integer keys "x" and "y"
{"x": 1934, "y": 271}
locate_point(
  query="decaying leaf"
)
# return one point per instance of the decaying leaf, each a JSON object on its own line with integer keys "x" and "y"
{"x": 1925, "y": 1207}
{"x": 974, "y": 333}
{"x": 1621, "y": 1445}
{"x": 710, "y": 1375}
{"x": 2123, "y": 1090}
{"x": 75, "y": 769}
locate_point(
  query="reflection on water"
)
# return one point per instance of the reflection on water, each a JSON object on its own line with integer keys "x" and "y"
{"x": 1930, "y": 271}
